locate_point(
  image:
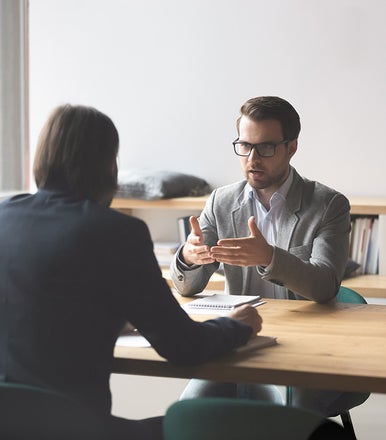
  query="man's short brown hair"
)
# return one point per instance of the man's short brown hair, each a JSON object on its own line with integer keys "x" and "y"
{"x": 273, "y": 107}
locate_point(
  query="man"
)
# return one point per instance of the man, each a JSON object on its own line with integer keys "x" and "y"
{"x": 275, "y": 233}
{"x": 73, "y": 272}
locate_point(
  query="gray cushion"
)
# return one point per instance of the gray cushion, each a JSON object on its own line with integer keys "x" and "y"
{"x": 152, "y": 185}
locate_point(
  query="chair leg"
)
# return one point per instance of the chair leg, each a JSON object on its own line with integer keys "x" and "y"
{"x": 345, "y": 417}
{"x": 348, "y": 426}
{"x": 289, "y": 396}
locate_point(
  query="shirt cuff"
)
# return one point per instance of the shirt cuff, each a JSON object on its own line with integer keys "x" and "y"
{"x": 182, "y": 265}
{"x": 262, "y": 270}
{"x": 266, "y": 270}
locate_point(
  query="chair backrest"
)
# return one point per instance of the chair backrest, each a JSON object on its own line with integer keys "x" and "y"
{"x": 239, "y": 419}
{"x": 28, "y": 412}
{"x": 346, "y": 295}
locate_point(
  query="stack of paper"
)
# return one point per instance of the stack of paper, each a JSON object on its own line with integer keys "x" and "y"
{"x": 164, "y": 251}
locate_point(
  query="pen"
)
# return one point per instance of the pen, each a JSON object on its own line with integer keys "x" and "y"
{"x": 260, "y": 303}
{"x": 256, "y": 304}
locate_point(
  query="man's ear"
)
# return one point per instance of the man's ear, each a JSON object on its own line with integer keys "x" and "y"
{"x": 292, "y": 147}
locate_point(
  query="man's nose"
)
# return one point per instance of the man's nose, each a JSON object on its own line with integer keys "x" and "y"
{"x": 254, "y": 155}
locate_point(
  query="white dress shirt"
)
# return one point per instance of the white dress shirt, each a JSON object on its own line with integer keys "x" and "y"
{"x": 267, "y": 221}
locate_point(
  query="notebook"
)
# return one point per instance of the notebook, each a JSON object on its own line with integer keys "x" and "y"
{"x": 257, "y": 343}
{"x": 221, "y": 303}
{"x": 135, "y": 339}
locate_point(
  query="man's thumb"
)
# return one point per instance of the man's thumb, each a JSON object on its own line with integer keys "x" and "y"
{"x": 195, "y": 226}
{"x": 253, "y": 227}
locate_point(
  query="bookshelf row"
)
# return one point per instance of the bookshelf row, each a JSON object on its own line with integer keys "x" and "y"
{"x": 364, "y": 245}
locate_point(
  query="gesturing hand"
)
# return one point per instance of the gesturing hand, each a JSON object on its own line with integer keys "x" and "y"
{"x": 246, "y": 251}
{"x": 194, "y": 251}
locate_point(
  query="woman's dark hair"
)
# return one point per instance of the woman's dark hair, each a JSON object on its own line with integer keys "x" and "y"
{"x": 77, "y": 151}
{"x": 272, "y": 107}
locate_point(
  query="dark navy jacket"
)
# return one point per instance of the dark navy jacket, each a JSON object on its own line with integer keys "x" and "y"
{"x": 72, "y": 272}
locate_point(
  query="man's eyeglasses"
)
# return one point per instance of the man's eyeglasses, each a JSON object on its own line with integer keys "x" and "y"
{"x": 265, "y": 149}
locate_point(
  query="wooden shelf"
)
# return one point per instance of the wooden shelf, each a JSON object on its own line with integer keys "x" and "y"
{"x": 216, "y": 282}
{"x": 371, "y": 286}
{"x": 368, "y": 206}
{"x": 194, "y": 203}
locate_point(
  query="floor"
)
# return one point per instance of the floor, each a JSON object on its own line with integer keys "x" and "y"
{"x": 369, "y": 418}
{"x": 140, "y": 397}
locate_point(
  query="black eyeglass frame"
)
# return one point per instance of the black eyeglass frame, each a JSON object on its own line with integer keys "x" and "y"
{"x": 257, "y": 147}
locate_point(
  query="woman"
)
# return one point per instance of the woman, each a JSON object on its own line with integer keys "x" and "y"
{"x": 74, "y": 272}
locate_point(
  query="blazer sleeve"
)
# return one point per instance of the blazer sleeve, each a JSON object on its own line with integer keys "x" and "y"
{"x": 314, "y": 269}
{"x": 151, "y": 307}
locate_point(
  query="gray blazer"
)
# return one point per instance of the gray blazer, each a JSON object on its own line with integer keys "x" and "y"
{"x": 312, "y": 246}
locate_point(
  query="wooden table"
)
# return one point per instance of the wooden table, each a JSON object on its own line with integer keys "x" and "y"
{"x": 338, "y": 346}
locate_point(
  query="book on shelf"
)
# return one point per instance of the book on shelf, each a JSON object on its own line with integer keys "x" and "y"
{"x": 183, "y": 225}
{"x": 373, "y": 249}
{"x": 364, "y": 246}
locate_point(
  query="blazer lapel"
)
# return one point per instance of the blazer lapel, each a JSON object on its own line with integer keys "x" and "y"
{"x": 289, "y": 219}
{"x": 240, "y": 214}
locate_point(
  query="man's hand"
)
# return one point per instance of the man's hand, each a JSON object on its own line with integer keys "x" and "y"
{"x": 194, "y": 250}
{"x": 249, "y": 316}
{"x": 247, "y": 251}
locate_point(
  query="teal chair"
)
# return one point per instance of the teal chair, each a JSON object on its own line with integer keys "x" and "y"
{"x": 345, "y": 295}
{"x": 32, "y": 413}
{"x": 212, "y": 418}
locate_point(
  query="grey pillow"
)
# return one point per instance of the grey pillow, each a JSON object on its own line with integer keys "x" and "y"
{"x": 152, "y": 185}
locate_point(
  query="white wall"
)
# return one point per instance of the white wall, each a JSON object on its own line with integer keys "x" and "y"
{"x": 172, "y": 74}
